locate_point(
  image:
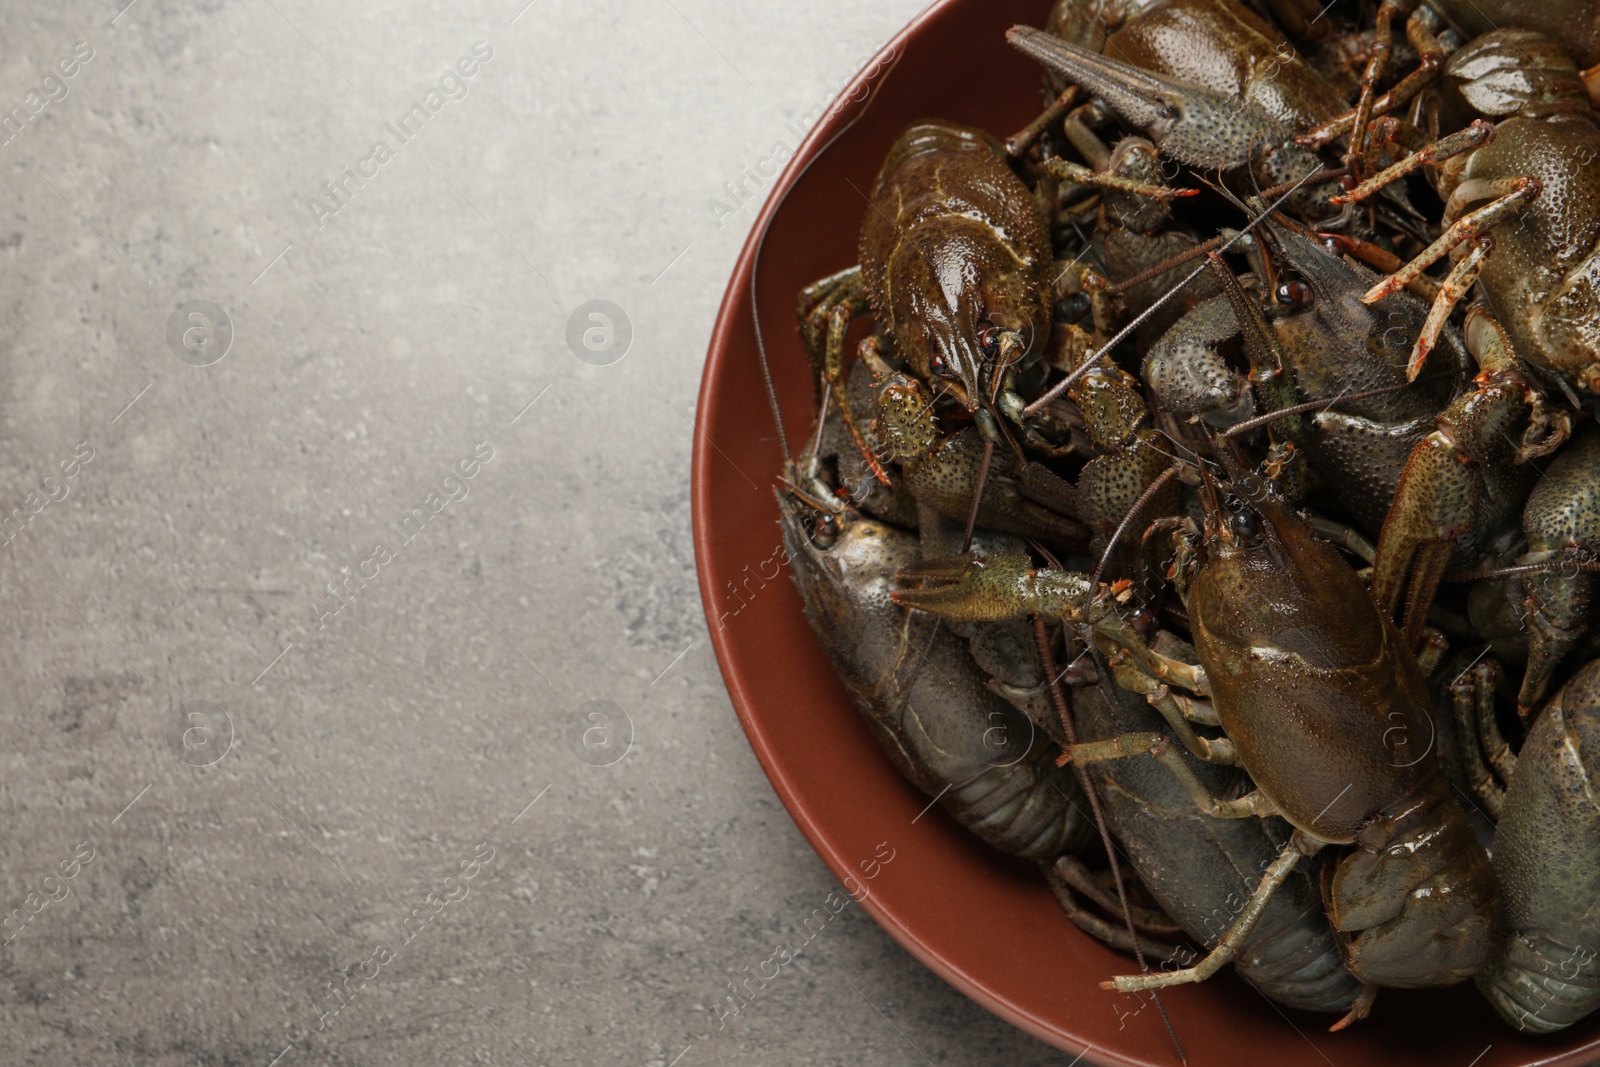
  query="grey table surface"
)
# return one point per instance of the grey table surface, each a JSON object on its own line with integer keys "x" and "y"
{"x": 321, "y": 542}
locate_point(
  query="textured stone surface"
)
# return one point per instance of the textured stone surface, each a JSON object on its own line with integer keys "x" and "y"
{"x": 182, "y": 573}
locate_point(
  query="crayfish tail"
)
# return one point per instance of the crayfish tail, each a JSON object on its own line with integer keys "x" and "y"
{"x": 1528, "y": 984}
{"x": 1546, "y": 972}
{"x": 1421, "y": 907}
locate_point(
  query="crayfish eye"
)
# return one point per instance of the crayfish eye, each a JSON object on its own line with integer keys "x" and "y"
{"x": 989, "y": 340}
{"x": 825, "y": 531}
{"x": 1246, "y": 526}
{"x": 1296, "y": 294}
{"x": 936, "y": 361}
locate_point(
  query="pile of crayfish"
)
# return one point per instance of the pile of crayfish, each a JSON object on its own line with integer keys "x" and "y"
{"x": 1215, "y": 478}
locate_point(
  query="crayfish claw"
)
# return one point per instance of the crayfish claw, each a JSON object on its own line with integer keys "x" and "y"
{"x": 1002, "y": 586}
{"x": 1419, "y": 356}
{"x": 1547, "y": 431}
{"x": 942, "y": 569}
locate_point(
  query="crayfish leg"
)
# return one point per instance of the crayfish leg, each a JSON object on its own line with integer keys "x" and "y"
{"x": 817, "y": 302}
{"x": 1476, "y": 135}
{"x": 1430, "y": 53}
{"x": 1151, "y": 920}
{"x": 1300, "y": 844}
{"x": 1178, "y": 710}
{"x": 1159, "y": 746}
{"x": 1019, "y": 143}
{"x": 1346, "y": 537}
{"x": 1455, "y": 286}
{"x": 1068, "y": 879}
{"x": 1359, "y": 1009}
{"x": 826, "y": 309}
{"x": 1472, "y": 701}
{"x": 1165, "y": 669}
{"x": 1101, "y": 929}
{"x": 1511, "y": 197}
{"x": 1064, "y": 168}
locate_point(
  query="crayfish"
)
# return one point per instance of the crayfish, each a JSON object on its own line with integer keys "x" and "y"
{"x": 1168, "y": 479}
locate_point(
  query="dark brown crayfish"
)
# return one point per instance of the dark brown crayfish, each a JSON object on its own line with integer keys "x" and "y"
{"x": 924, "y": 702}
{"x": 1323, "y": 705}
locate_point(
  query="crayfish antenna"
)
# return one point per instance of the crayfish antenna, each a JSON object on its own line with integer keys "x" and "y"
{"x": 977, "y": 494}
{"x": 1210, "y": 498}
{"x": 765, "y": 363}
{"x": 755, "y": 267}
{"x": 1091, "y": 791}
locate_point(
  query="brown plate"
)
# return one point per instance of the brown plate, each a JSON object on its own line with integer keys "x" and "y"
{"x": 985, "y": 923}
